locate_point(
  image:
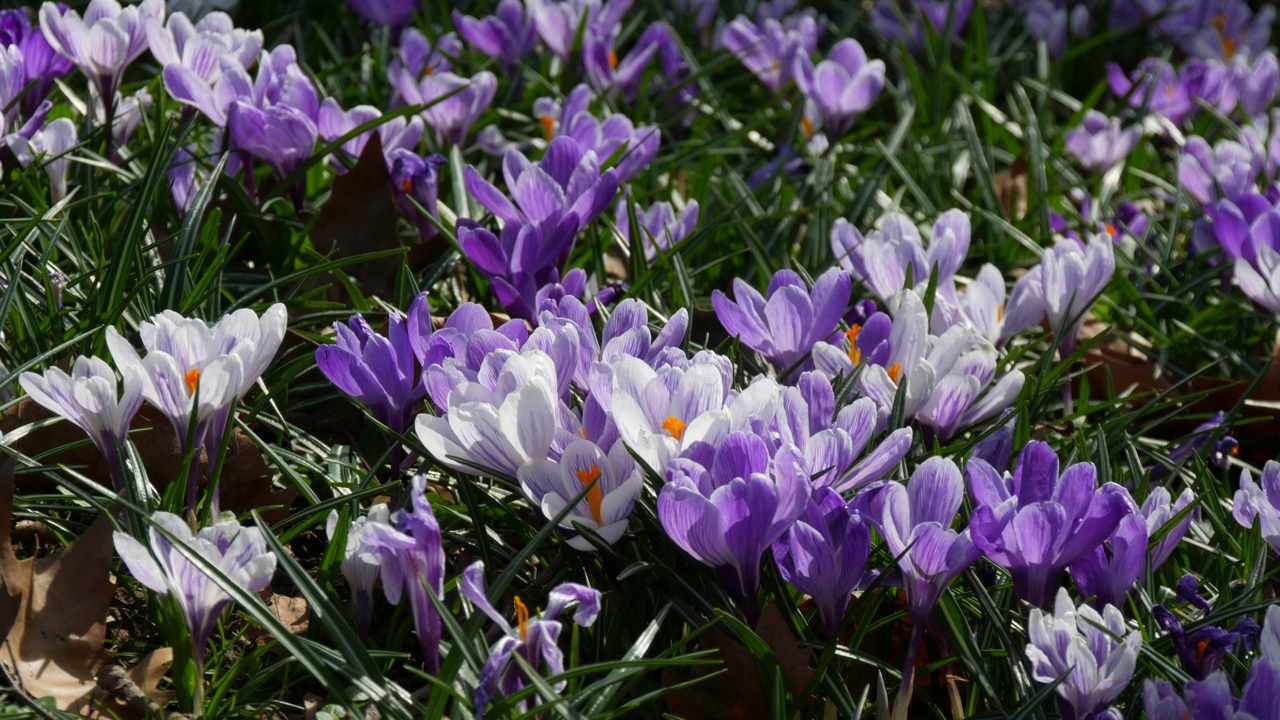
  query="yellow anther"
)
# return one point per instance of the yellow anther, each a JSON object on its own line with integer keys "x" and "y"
{"x": 674, "y": 426}
{"x": 594, "y": 496}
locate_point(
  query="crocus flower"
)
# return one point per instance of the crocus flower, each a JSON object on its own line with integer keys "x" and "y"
{"x": 88, "y": 398}
{"x": 454, "y": 103}
{"x": 361, "y": 560}
{"x": 906, "y": 25}
{"x": 388, "y": 13}
{"x": 417, "y": 186}
{"x": 769, "y": 50}
{"x": 1100, "y": 143}
{"x": 608, "y": 73}
{"x": 519, "y": 261}
{"x": 534, "y": 639}
{"x": 832, "y": 448}
{"x": 194, "y": 57}
{"x": 1218, "y": 29}
{"x": 915, "y": 520}
{"x": 606, "y": 138}
{"x": 728, "y": 507}
{"x": 412, "y": 559}
{"x": 1080, "y": 646}
{"x": 659, "y": 225}
{"x": 558, "y": 21}
{"x": 1202, "y": 652}
{"x": 1038, "y": 522}
{"x": 1156, "y": 86}
{"x": 507, "y": 35}
{"x": 1108, "y": 579}
{"x": 332, "y": 122}
{"x": 789, "y": 320}
{"x": 884, "y": 257}
{"x": 824, "y": 554}
{"x": 50, "y": 144}
{"x": 104, "y": 41}
{"x": 280, "y": 135}
{"x": 840, "y": 87}
{"x": 1050, "y": 22}
{"x": 613, "y": 483}
{"x": 40, "y": 64}
{"x": 192, "y": 368}
{"x": 1064, "y": 286}
{"x": 378, "y": 371}
{"x": 1226, "y": 170}
{"x": 1261, "y": 505}
{"x": 241, "y": 555}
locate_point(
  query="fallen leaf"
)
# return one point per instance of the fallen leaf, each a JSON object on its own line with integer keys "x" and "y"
{"x": 135, "y": 693}
{"x": 53, "y": 611}
{"x": 292, "y": 613}
{"x": 1011, "y": 187}
{"x": 737, "y": 692}
{"x": 360, "y": 217}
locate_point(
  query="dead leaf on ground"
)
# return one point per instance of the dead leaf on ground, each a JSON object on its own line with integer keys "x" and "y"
{"x": 1011, "y": 187}
{"x": 53, "y": 611}
{"x": 246, "y": 478}
{"x": 738, "y": 692}
{"x": 292, "y": 612}
{"x": 360, "y": 217}
{"x": 135, "y": 693}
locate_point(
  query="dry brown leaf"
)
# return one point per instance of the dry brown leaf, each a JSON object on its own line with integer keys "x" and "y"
{"x": 292, "y": 612}
{"x": 53, "y": 611}
{"x": 134, "y": 693}
{"x": 360, "y": 217}
{"x": 738, "y": 692}
{"x": 1011, "y": 187}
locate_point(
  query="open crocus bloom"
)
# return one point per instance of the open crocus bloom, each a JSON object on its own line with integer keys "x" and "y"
{"x": 612, "y": 482}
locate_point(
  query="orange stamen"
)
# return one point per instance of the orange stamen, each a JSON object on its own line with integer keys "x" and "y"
{"x": 1235, "y": 451}
{"x": 407, "y": 186}
{"x": 674, "y": 426}
{"x": 594, "y": 496}
{"x": 548, "y": 127}
{"x": 583, "y": 433}
{"x": 613, "y": 61}
{"x": 192, "y": 379}
{"x": 854, "y": 353}
{"x": 1228, "y": 44}
{"x": 895, "y": 372}
{"x": 807, "y": 124}
{"x": 1000, "y": 313}
{"x": 1111, "y": 230}
{"x": 522, "y": 619}
{"x": 428, "y": 70}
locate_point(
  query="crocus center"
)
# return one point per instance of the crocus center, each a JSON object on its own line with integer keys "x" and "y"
{"x": 548, "y": 126}
{"x": 428, "y": 70}
{"x": 999, "y": 313}
{"x": 854, "y": 353}
{"x": 522, "y": 619}
{"x": 807, "y": 124}
{"x": 594, "y": 496}
{"x": 613, "y": 61}
{"x": 895, "y": 372}
{"x": 1228, "y": 45}
{"x": 192, "y": 379}
{"x": 1111, "y": 230}
{"x": 1200, "y": 648}
{"x": 674, "y": 426}
{"x": 407, "y": 186}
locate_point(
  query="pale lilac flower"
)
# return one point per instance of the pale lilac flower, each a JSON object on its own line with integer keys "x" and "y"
{"x": 660, "y": 227}
{"x": 906, "y": 22}
{"x": 1156, "y": 86}
{"x": 507, "y": 35}
{"x": 241, "y": 555}
{"x": 332, "y": 122}
{"x": 1094, "y": 655}
{"x": 1254, "y": 504}
{"x": 558, "y": 21}
{"x": 534, "y": 639}
{"x": 454, "y": 103}
{"x": 192, "y": 368}
{"x": 824, "y": 554}
{"x": 412, "y": 560}
{"x": 88, "y": 398}
{"x": 573, "y": 119}
{"x": 832, "y": 443}
{"x": 388, "y": 13}
{"x": 1227, "y": 170}
{"x": 40, "y": 64}
{"x": 840, "y": 87}
{"x": 613, "y": 482}
{"x": 884, "y": 257}
{"x": 915, "y": 520}
{"x": 361, "y": 560}
{"x": 769, "y": 50}
{"x": 1260, "y": 279}
{"x": 727, "y": 507}
{"x": 50, "y": 145}
{"x": 1061, "y": 289}
{"x": 1100, "y": 143}
{"x": 789, "y": 320}
{"x": 1038, "y": 522}
{"x": 103, "y": 41}
{"x": 194, "y": 56}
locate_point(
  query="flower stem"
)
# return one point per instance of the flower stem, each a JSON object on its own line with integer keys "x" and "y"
{"x": 908, "y": 672}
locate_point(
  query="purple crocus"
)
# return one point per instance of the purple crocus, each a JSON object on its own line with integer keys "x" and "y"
{"x": 40, "y": 64}
{"x": 840, "y": 87}
{"x": 332, "y": 123}
{"x": 726, "y": 508}
{"x": 376, "y": 370}
{"x": 412, "y": 559}
{"x": 417, "y": 187}
{"x": 884, "y": 257}
{"x": 615, "y": 134}
{"x": 88, "y": 399}
{"x": 534, "y": 639}
{"x": 907, "y": 25}
{"x": 48, "y": 145}
{"x": 388, "y": 13}
{"x": 241, "y": 555}
{"x": 661, "y": 228}
{"x": 1260, "y": 280}
{"x": 824, "y": 554}
{"x": 518, "y": 262}
{"x": 507, "y": 35}
{"x": 1227, "y": 170}
{"x": 769, "y": 50}
{"x": 103, "y": 42}
{"x": 1062, "y": 288}
{"x": 1050, "y": 21}
{"x": 1201, "y": 652}
{"x": 194, "y": 57}
{"x": 1037, "y": 522}
{"x": 1100, "y": 143}
{"x": 1260, "y": 504}
{"x": 559, "y": 21}
{"x": 1093, "y": 654}
{"x": 453, "y": 103}
{"x": 1156, "y": 86}
{"x": 613, "y": 482}
{"x": 789, "y": 320}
